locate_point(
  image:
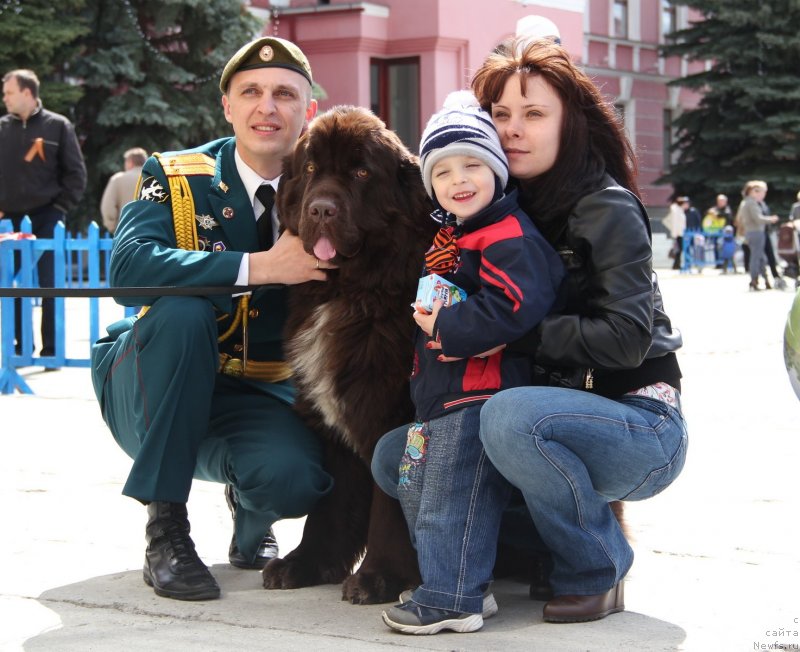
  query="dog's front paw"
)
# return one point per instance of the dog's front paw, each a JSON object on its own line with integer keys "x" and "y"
{"x": 296, "y": 571}
{"x": 371, "y": 587}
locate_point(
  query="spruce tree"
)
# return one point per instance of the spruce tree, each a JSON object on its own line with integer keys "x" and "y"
{"x": 747, "y": 123}
{"x": 150, "y": 74}
{"x": 43, "y": 36}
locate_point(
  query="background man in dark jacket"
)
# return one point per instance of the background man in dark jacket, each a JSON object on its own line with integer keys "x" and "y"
{"x": 42, "y": 175}
{"x": 694, "y": 221}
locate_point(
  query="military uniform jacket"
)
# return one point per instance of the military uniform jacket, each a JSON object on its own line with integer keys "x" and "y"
{"x": 146, "y": 251}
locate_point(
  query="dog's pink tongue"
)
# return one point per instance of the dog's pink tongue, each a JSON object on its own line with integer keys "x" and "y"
{"x": 324, "y": 249}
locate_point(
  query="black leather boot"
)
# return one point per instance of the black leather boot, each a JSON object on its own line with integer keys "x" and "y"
{"x": 171, "y": 564}
{"x": 267, "y": 549}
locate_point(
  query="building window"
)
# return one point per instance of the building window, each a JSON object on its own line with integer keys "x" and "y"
{"x": 669, "y": 17}
{"x": 394, "y": 96}
{"x": 619, "y": 17}
{"x": 667, "y": 140}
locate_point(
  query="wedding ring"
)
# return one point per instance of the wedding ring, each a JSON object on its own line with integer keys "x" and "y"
{"x": 317, "y": 263}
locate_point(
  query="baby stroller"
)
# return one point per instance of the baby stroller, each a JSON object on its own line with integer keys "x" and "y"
{"x": 788, "y": 250}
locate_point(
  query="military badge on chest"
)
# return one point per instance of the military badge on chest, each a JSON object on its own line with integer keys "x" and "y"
{"x": 206, "y": 222}
{"x": 204, "y": 242}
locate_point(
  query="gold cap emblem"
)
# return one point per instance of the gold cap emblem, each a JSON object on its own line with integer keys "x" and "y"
{"x": 265, "y": 53}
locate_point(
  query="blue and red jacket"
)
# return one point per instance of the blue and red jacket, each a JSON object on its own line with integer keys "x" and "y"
{"x": 511, "y": 276}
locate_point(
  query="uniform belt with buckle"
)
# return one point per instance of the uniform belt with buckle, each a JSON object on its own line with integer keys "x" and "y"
{"x": 271, "y": 371}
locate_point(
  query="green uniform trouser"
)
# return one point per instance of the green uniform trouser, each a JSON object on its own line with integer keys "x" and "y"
{"x": 170, "y": 410}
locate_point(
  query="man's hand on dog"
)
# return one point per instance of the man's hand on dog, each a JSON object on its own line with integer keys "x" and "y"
{"x": 287, "y": 263}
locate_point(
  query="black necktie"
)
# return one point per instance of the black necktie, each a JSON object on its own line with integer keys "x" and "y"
{"x": 266, "y": 195}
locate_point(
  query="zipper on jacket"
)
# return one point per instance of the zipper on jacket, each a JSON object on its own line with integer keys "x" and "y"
{"x": 588, "y": 379}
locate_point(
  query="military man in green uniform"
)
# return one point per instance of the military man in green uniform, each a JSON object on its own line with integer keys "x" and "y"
{"x": 196, "y": 386}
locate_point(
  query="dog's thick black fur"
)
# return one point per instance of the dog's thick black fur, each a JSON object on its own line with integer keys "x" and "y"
{"x": 353, "y": 193}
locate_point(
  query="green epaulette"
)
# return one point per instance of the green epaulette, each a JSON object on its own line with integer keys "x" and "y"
{"x": 187, "y": 165}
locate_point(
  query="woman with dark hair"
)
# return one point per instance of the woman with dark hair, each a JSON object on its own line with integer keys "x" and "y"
{"x": 603, "y": 422}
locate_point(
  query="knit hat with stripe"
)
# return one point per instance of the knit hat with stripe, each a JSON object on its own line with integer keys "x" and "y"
{"x": 462, "y": 127}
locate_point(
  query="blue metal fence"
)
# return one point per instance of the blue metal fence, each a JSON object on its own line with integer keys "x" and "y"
{"x": 79, "y": 262}
{"x": 700, "y": 250}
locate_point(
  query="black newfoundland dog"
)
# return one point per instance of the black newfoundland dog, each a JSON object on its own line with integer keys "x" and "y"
{"x": 353, "y": 193}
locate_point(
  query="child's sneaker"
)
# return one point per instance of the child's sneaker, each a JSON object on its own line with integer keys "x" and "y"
{"x": 489, "y": 603}
{"x": 412, "y": 618}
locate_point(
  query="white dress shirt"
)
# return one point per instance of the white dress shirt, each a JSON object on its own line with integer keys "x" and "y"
{"x": 252, "y": 181}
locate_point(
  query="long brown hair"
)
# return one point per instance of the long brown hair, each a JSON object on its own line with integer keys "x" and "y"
{"x": 593, "y": 141}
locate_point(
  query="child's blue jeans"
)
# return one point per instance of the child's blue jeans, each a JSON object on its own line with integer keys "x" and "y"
{"x": 453, "y": 499}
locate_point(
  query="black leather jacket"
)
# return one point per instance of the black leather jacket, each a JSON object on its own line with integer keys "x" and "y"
{"x": 610, "y": 334}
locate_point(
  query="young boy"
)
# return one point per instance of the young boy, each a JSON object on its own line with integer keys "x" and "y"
{"x": 451, "y": 495}
{"x": 728, "y": 249}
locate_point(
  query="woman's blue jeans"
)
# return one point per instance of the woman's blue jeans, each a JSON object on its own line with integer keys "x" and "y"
{"x": 453, "y": 500}
{"x": 571, "y": 452}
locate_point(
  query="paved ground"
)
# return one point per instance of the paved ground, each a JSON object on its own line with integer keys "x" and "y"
{"x": 717, "y": 564}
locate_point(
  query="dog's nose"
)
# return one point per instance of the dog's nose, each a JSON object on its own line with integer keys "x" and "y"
{"x": 322, "y": 209}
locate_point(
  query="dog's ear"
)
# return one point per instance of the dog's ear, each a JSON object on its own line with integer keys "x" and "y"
{"x": 290, "y": 192}
{"x": 410, "y": 176}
